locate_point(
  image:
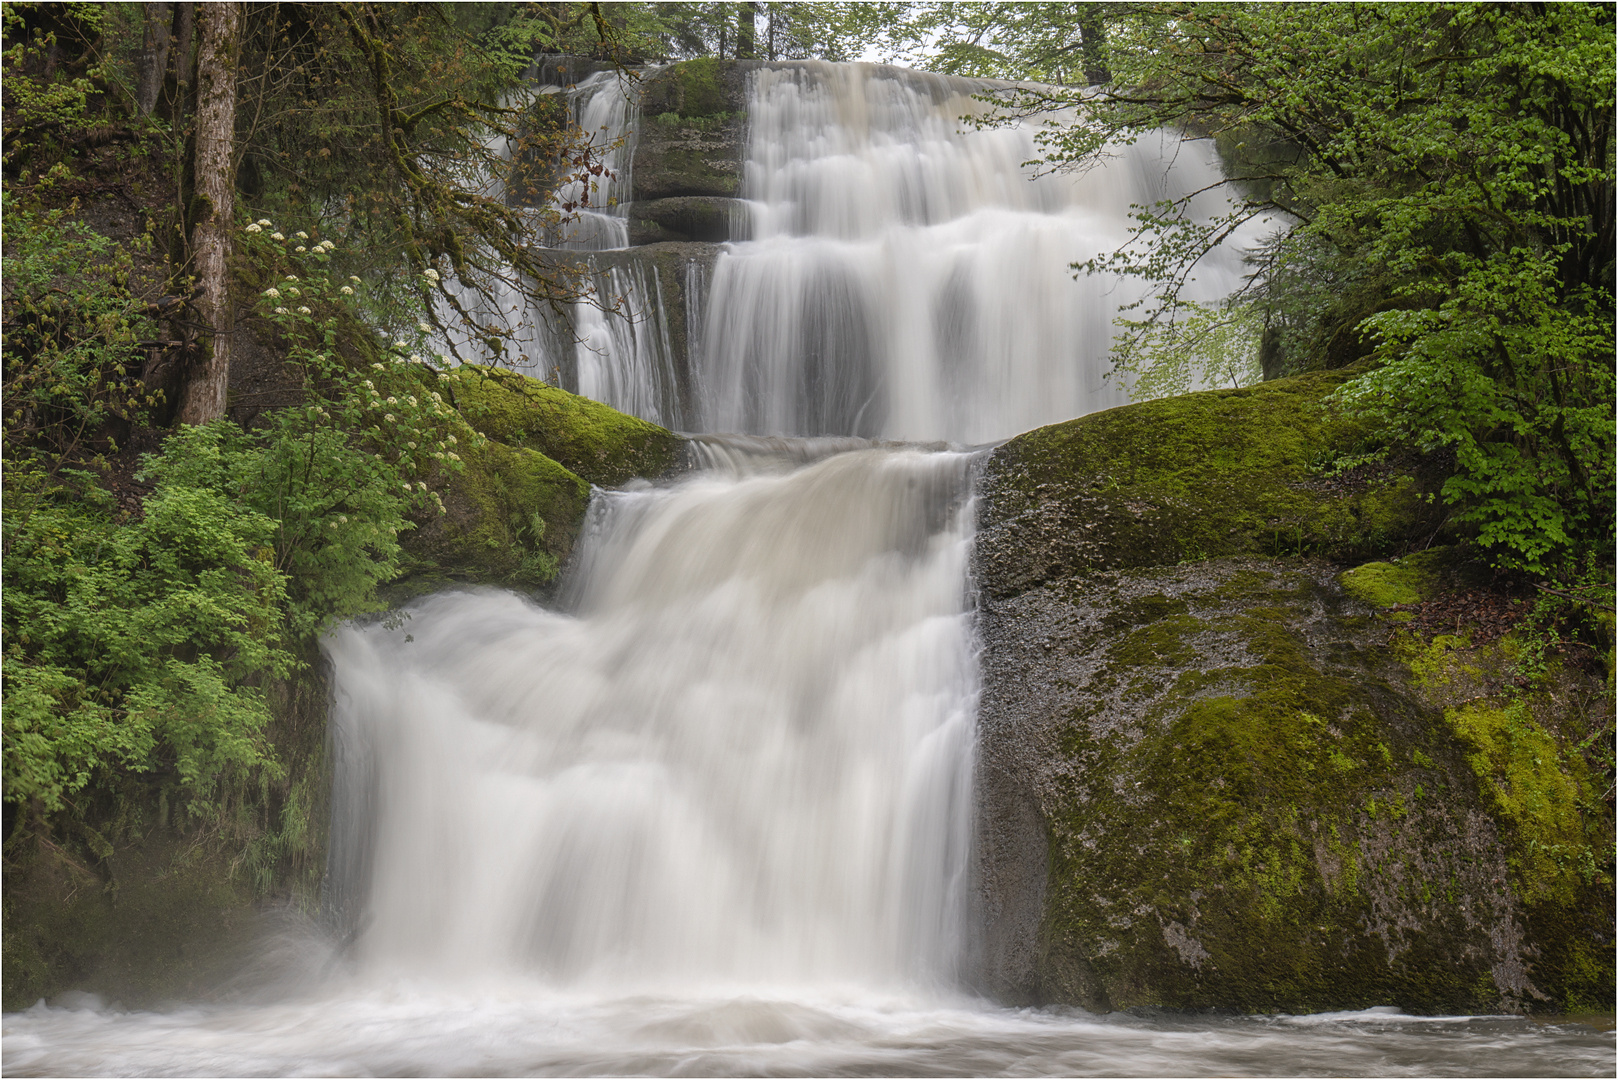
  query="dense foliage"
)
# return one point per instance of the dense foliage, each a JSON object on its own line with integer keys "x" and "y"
{"x": 1441, "y": 180}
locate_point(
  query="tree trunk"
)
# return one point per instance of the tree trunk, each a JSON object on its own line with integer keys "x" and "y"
{"x": 154, "y": 56}
{"x": 204, "y": 398}
{"x": 745, "y": 31}
{"x": 1093, "y": 42}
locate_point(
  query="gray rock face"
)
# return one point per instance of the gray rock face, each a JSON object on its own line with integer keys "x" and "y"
{"x": 702, "y": 218}
{"x": 693, "y": 131}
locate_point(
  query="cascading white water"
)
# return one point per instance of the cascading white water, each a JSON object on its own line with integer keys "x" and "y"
{"x": 714, "y": 817}
{"x": 616, "y": 346}
{"x": 745, "y": 759}
{"x": 908, "y": 275}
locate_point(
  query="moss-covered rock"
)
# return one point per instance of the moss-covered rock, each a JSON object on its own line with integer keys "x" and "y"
{"x": 510, "y": 518}
{"x": 599, "y": 443}
{"x": 1232, "y": 781}
{"x": 1222, "y": 472}
{"x": 162, "y": 918}
{"x": 1408, "y": 580}
{"x": 693, "y": 126}
{"x": 1248, "y": 801}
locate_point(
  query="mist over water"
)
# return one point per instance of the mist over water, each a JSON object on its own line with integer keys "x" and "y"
{"x": 710, "y": 813}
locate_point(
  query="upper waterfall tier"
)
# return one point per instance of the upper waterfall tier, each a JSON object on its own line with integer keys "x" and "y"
{"x": 886, "y": 267}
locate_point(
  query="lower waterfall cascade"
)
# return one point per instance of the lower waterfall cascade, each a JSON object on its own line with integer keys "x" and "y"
{"x": 711, "y": 810}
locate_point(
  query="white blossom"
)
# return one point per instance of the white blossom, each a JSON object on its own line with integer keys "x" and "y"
{"x": 453, "y": 456}
{"x": 301, "y": 235}
{"x": 354, "y": 278}
{"x": 273, "y": 294}
{"x": 450, "y": 439}
{"x": 387, "y": 418}
{"x": 300, "y": 248}
{"x": 264, "y": 222}
{"x": 304, "y": 311}
{"x": 411, "y": 398}
{"x": 276, "y": 236}
{"x": 346, "y": 291}
{"x": 430, "y": 274}
{"x": 255, "y": 228}
{"x": 292, "y": 277}
{"x": 424, "y": 328}
{"x": 393, "y": 401}
{"x": 292, "y": 291}
{"x": 281, "y": 311}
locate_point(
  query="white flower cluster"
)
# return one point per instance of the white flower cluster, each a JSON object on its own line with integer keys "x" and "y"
{"x": 431, "y": 275}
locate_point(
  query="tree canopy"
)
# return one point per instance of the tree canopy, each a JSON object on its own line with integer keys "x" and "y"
{"x": 1442, "y": 180}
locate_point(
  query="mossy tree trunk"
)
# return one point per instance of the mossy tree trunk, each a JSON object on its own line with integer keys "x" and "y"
{"x": 204, "y": 396}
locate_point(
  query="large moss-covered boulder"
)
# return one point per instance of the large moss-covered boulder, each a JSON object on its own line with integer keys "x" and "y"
{"x": 1239, "y": 782}
{"x": 604, "y": 446}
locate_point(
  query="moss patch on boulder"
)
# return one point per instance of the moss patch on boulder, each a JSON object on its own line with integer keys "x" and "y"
{"x": 1250, "y": 802}
{"x": 511, "y": 518}
{"x": 1204, "y": 475}
{"x": 592, "y": 440}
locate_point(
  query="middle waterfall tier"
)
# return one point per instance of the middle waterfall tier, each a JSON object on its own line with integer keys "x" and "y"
{"x": 746, "y": 757}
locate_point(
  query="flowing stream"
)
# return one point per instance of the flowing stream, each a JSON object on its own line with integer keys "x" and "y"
{"x": 710, "y": 813}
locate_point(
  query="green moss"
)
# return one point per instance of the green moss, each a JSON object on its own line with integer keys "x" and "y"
{"x": 699, "y": 88}
{"x": 1214, "y": 473}
{"x": 1235, "y": 847}
{"x": 1409, "y": 580}
{"x": 1533, "y": 788}
{"x": 598, "y": 443}
{"x": 511, "y": 519}
{"x": 1382, "y": 584}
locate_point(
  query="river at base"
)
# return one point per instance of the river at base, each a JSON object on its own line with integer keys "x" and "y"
{"x": 518, "y": 1028}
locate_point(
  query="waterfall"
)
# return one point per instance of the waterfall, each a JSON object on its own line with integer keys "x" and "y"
{"x": 742, "y": 754}
{"x": 711, "y": 812}
{"x": 908, "y": 275}
{"x": 745, "y": 758}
